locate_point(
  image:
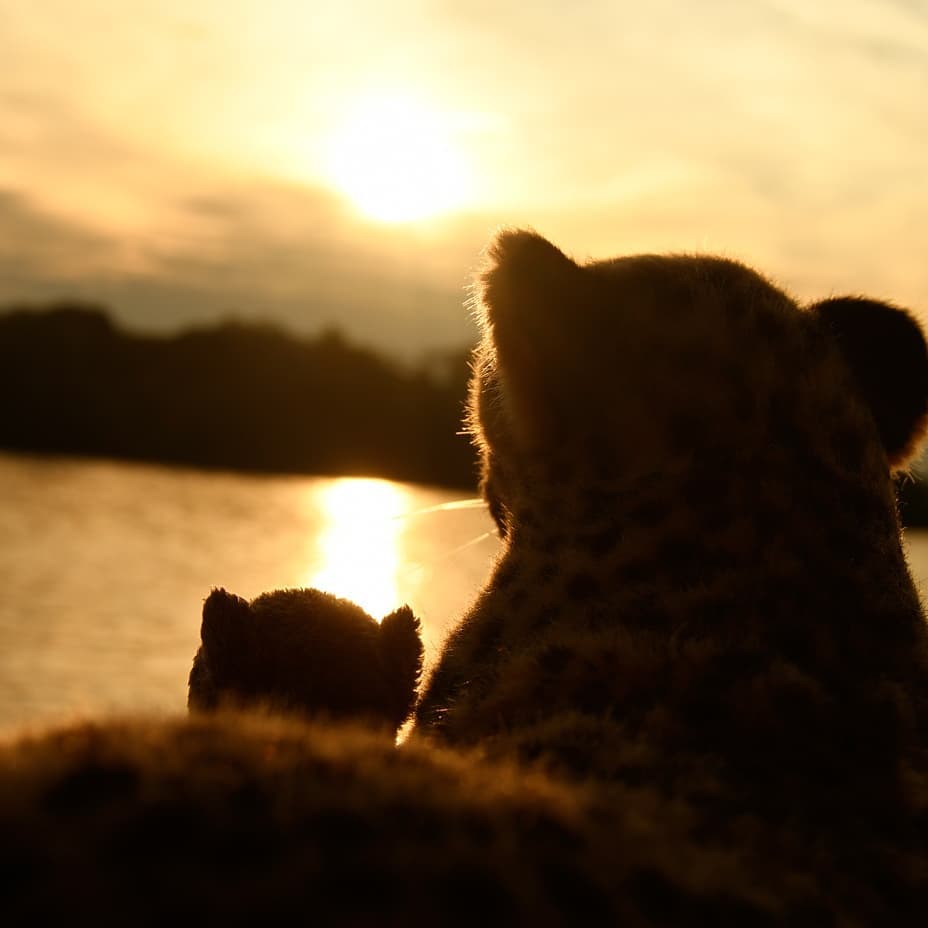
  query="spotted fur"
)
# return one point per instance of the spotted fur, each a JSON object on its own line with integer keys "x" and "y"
{"x": 703, "y": 584}
{"x": 693, "y": 691}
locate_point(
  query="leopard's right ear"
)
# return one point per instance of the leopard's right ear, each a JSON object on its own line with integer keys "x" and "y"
{"x": 884, "y": 347}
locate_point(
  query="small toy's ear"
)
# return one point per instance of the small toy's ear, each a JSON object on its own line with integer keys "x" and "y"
{"x": 226, "y": 627}
{"x": 226, "y": 620}
{"x": 885, "y": 348}
{"x": 401, "y": 653}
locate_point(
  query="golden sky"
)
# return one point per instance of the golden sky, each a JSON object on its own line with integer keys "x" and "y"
{"x": 344, "y": 162}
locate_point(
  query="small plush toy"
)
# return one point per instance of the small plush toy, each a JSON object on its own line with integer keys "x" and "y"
{"x": 309, "y": 652}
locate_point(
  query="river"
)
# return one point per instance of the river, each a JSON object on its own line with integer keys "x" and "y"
{"x": 104, "y": 566}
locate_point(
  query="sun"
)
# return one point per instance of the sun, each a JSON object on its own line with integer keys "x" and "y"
{"x": 394, "y": 158}
{"x": 359, "y": 553}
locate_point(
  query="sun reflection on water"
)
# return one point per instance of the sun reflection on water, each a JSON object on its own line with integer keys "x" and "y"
{"x": 359, "y": 551}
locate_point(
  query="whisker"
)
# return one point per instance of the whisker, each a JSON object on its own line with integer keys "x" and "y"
{"x": 465, "y": 546}
{"x": 474, "y": 503}
{"x": 438, "y": 558}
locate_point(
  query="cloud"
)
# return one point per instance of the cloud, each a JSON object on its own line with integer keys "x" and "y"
{"x": 230, "y": 258}
{"x": 165, "y": 162}
{"x": 32, "y": 244}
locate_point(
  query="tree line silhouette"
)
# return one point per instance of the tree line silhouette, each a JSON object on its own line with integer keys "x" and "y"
{"x": 246, "y": 396}
{"x": 236, "y": 395}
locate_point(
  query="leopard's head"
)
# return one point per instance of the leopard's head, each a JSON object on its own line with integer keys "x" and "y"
{"x": 616, "y": 369}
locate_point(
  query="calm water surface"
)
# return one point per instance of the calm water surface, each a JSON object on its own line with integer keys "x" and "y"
{"x": 104, "y": 567}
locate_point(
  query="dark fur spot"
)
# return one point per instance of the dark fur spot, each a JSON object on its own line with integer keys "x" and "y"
{"x": 554, "y": 659}
{"x": 547, "y": 571}
{"x": 595, "y": 502}
{"x": 634, "y": 573}
{"x": 582, "y": 586}
{"x": 709, "y": 487}
{"x": 676, "y": 551}
{"x": 593, "y": 695}
{"x": 599, "y": 543}
{"x": 544, "y": 618}
{"x": 645, "y": 611}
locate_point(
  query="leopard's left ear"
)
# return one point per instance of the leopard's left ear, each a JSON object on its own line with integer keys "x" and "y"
{"x": 885, "y": 348}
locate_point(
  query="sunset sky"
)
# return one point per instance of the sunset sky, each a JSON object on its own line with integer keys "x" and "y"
{"x": 312, "y": 163}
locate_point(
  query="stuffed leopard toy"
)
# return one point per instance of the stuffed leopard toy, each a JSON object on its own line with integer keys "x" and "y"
{"x": 693, "y": 691}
